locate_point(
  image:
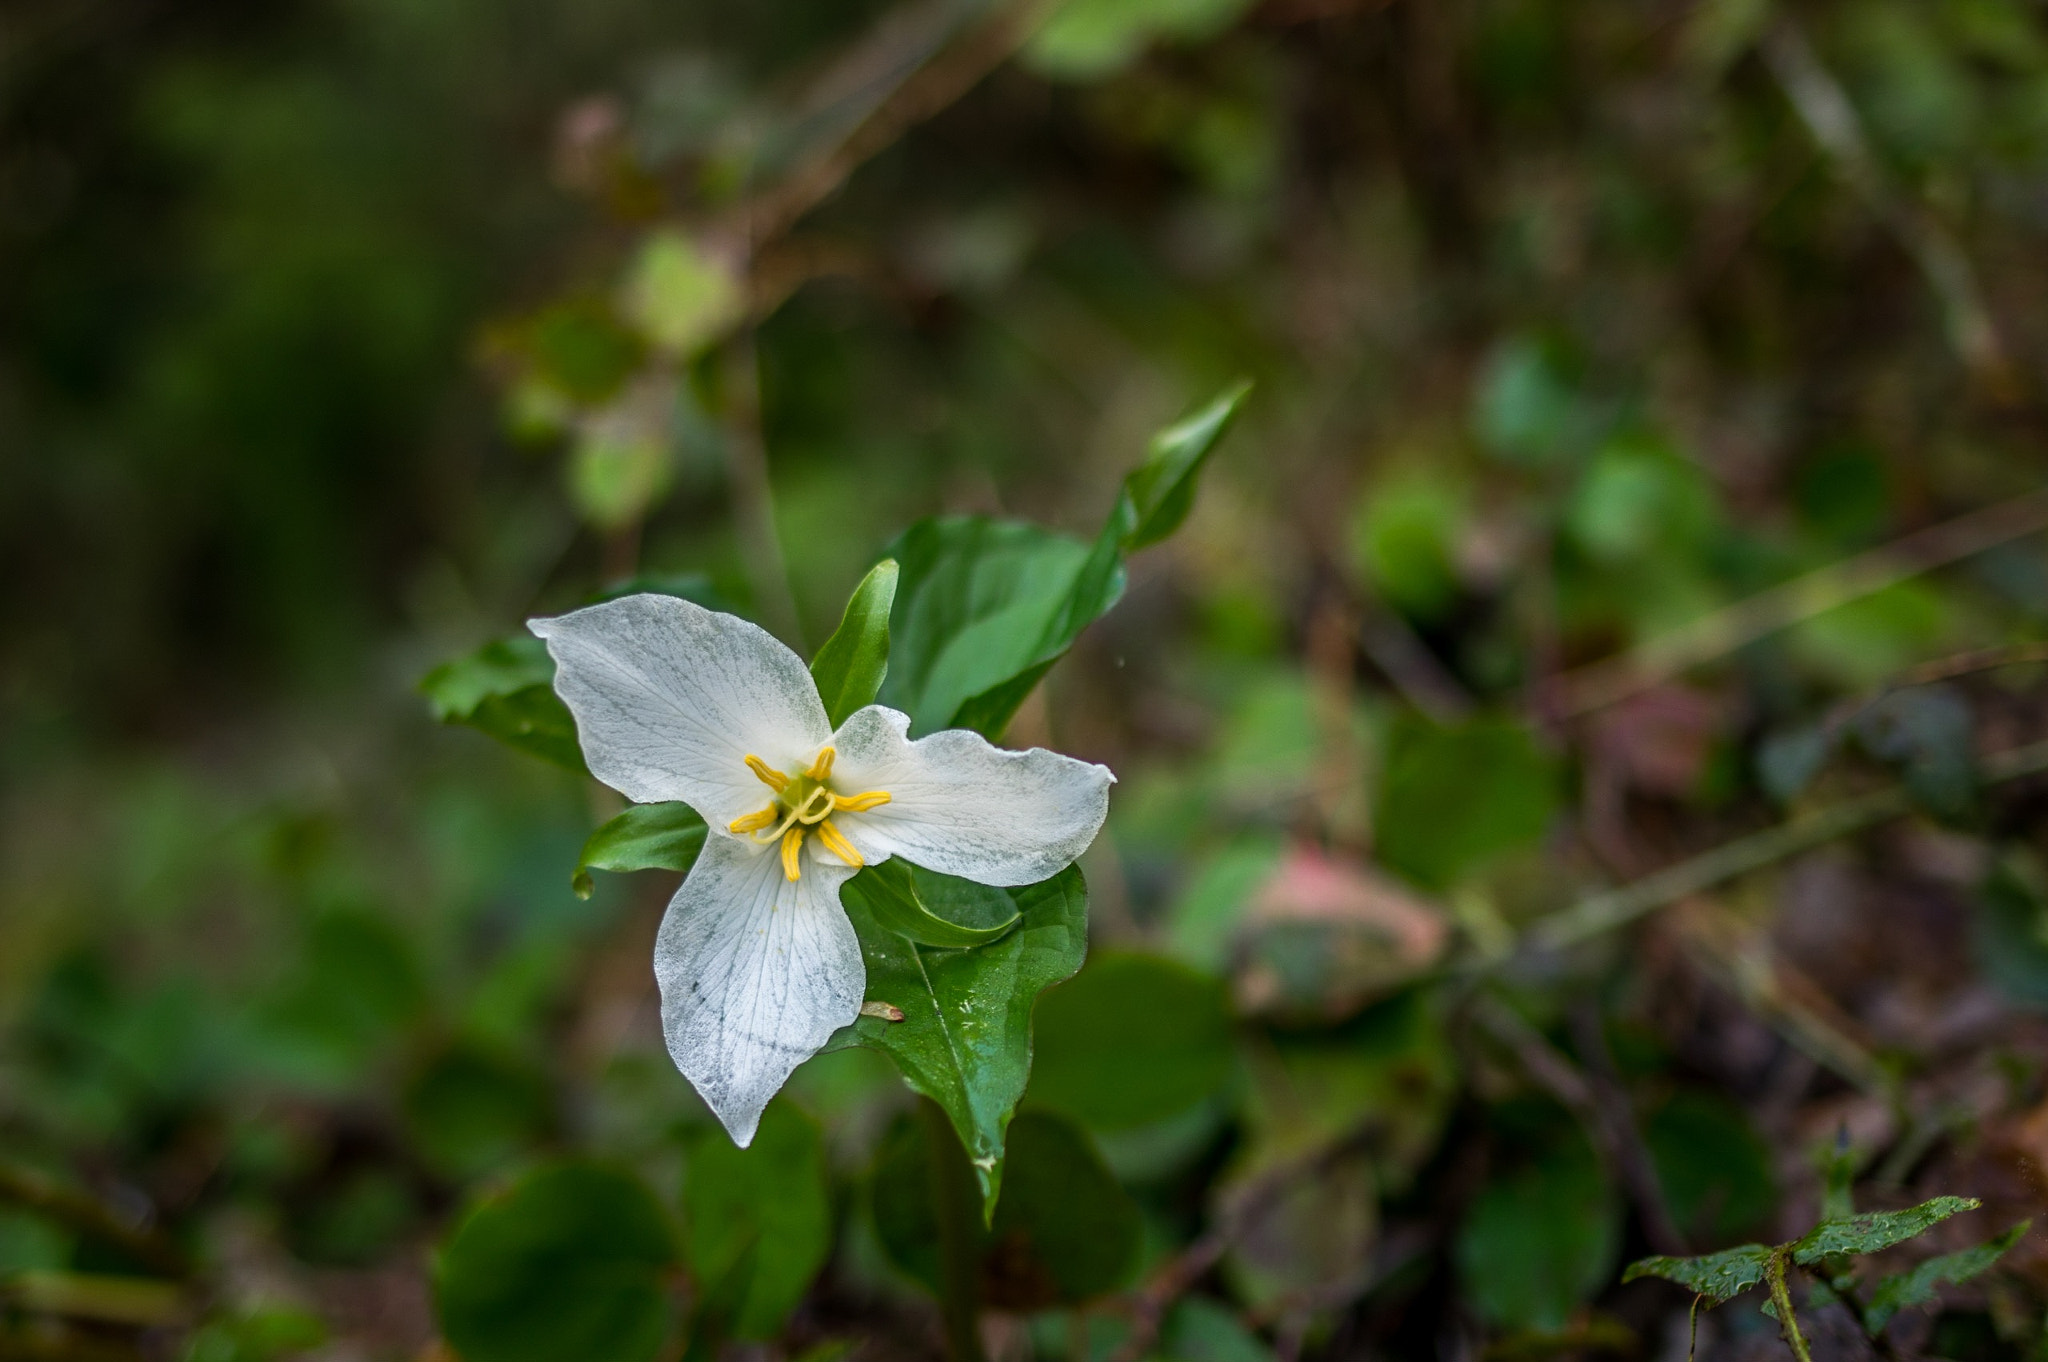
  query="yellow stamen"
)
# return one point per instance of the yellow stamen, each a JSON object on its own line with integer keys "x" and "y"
{"x": 838, "y": 845}
{"x": 860, "y": 803}
{"x": 791, "y": 841}
{"x": 754, "y": 822}
{"x": 770, "y": 777}
{"x": 822, "y": 766}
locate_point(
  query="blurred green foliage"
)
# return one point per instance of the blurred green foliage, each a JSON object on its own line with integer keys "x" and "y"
{"x": 336, "y": 339}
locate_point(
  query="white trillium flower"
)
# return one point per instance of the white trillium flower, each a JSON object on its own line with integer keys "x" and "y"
{"x": 757, "y": 962}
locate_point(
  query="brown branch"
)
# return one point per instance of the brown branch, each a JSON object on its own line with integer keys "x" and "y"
{"x": 1721, "y": 632}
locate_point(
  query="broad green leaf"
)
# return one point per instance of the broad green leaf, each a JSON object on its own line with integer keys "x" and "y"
{"x": 762, "y": 1214}
{"x": 1130, "y": 1040}
{"x": 506, "y": 689}
{"x": 1537, "y": 1243}
{"x": 889, "y": 898}
{"x": 978, "y": 616}
{"x": 1158, "y": 493}
{"x": 985, "y": 607}
{"x": 1063, "y": 1232}
{"x": 1920, "y": 1285}
{"x": 1199, "y": 1329}
{"x": 1878, "y": 1230}
{"x": 1716, "y": 1276}
{"x": 644, "y": 837}
{"x": 850, "y": 667}
{"x": 571, "y": 1263}
{"x": 965, "y": 1037}
{"x": 473, "y": 1108}
{"x": 1453, "y": 799}
{"x": 1715, "y": 1170}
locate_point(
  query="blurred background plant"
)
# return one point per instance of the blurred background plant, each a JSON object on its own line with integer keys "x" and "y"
{"x": 1578, "y": 760}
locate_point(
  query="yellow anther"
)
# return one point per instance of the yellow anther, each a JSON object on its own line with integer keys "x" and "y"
{"x": 754, "y": 822}
{"x": 791, "y": 842}
{"x": 860, "y": 803}
{"x": 770, "y": 777}
{"x": 822, "y": 766}
{"x": 838, "y": 845}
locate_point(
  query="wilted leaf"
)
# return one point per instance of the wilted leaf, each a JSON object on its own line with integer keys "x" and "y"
{"x": 1877, "y": 1230}
{"x": 569, "y": 1264}
{"x": 1130, "y": 1040}
{"x": 1326, "y": 936}
{"x": 1718, "y": 1277}
{"x": 758, "y": 1221}
{"x": 1921, "y": 1285}
{"x": 643, "y": 837}
{"x": 965, "y": 1037}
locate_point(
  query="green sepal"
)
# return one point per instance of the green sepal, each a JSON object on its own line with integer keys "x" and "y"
{"x": 850, "y": 668}
{"x": 889, "y": 898}
{"x": 644, "y": 837}
{"x": 506, "y": 689}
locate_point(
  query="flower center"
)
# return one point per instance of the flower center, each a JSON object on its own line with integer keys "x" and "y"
{"x": 804, "y": 803}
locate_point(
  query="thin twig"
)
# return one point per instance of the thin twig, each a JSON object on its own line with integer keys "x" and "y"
{"x": 1723, "y": 631}
{"x": 1605, "y": 911}
{"x": 82, "y": 1212}
{"x": 1832, "y": 119}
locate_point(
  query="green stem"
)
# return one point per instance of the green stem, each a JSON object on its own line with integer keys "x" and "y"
{"x": 1781, "y": 1296}
{"x": 958, "y": 1208}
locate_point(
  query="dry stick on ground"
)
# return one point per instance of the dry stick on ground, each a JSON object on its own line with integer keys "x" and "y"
{"x": 1723, "y": 631}
{"x": 1604, "y": 1115}
{"x": 1833, "y": 121}
{"x": 1609, "y": 909}
{"x": 1173, "y": 1279}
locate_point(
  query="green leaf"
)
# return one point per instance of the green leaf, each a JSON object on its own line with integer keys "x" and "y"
{"x": 1715, "y": 1170}
{"x": 965, "y": 1037}
{"x": 644, "y": 837}
{"x": 850, "y": 667}
{"x": 889, "y": 898}
{"x": 1063, "y": 1232}
{"x": 680, "y": 297}
{"x": 1920, "y": 1285}
{"x": 1717, "y": 1276}
{"x": 760, "y": 1217}
{"x": 985, "y": 607}
{"x": 506, "y": 689}
{"x": 1130, "y": 1040}
{"x": 1088, "y": 40}
{"x": 571, "y": 1263}
{"x": 979, "y": 617}
{"x": 1199, "y": 1329}
{"x": 1539, "y": 1242}
{"x": 1453, "y": 799}
{"x": 1159, "y": 492}
{"x": 1876, "y": 1231}
{"x": 472, "y": 1107}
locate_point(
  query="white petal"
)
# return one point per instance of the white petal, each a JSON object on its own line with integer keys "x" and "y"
{"x": 962, "y": 806}
{"x": 756, "y": 973}
{"x": 670, "y": 699}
